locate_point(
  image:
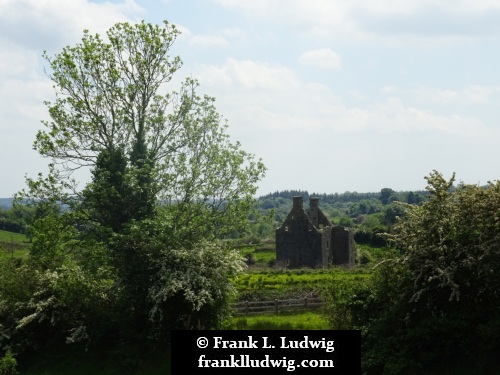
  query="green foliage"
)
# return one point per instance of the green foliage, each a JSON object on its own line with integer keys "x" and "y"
{"x": 16, "y": 218}
{"x": 102, "y": 362}
{"x": 345, "y": 222}
{"x": 271, "y": 283}
{"x": 439, "y": 302}
{"x": 138, "y": 250}
{"x": 451, "y": 245}
{"x": 48, "y": 308}
{"x": 107, "y": 93}
{"x": 391, "y": 212}
{"x": 250, "y": 259}
{"x": 143, "y": 146}
{"x": 53, "y": 239}
{"x": 8, "y": 364}
{"x": 386, "y": 194}
{"x": 192, "y": 286}
{"x": 369, "y": 256}
{"x": 111, "y": 199}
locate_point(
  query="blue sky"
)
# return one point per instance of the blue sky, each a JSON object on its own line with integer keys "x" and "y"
{"x": 333, "y": 95}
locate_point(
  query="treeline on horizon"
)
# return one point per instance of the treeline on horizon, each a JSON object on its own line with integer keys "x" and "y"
{"x": 16, "y": 217}
{"x": 348, "y": 196}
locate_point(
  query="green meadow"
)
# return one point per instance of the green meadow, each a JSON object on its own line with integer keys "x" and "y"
{"x": 300, "y": 321}
{"x": 279, "y": 279}
{"x": 13, "y": 245}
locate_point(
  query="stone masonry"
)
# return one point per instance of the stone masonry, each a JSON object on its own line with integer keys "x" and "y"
{"x": 308, "y": 239}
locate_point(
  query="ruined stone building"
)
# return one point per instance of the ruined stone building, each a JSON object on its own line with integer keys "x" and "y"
{"x": 308, "y": 239}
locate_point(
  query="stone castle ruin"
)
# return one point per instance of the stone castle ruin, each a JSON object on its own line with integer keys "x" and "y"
{"x": 308, "y": 239}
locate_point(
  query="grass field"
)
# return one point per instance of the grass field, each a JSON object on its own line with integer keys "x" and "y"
{"x": 302, "y": 321}
{"x": 13, "y": 245}
{"x": 277, "y": 279}
{"x": 261, "y": 255}
{"x": 8, "y": 237}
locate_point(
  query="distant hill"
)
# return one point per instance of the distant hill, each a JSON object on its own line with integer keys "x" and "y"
{"x": 6, "y": 202}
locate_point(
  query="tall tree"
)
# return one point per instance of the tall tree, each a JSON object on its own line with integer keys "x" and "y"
{"x": 167, "y": 184}
{"x": 385, "y": 195}
{"x": 443, "y": 292}
{"x": 113, "y": 95}
{"x": 109, "y": 197}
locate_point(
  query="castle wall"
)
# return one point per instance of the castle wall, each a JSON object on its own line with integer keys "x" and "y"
{"x": 342, "y": 247}
{"x": 310, "y": 240}
{"x": 298, "y": 242}
{"x": 326, "y": 246}
{"x": 299, "y": 247}
{"x": 317, "y": 217}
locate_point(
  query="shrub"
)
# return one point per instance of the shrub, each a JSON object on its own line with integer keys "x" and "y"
{"x": 8, "y": 364}
{"x": 439, "y": 302}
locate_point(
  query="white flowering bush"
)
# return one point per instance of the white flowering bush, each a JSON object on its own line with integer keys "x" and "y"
{"x": 451, "y": 247}
{"x": 50, "y": 307}
{"x": 192, "y": 287}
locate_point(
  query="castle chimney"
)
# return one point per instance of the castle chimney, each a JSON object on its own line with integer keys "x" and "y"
{"x": 313, "y": 213}
{"x": 297, "y": 202}
{"x": 313, "y": 202}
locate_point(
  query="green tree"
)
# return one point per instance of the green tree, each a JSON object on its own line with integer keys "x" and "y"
{"x": 437, "y": 303}
{"x": 345, "y": 221}
{"x": 8, "y": 364}
{"x": 451, "y": 244}
{"x": 386, "y": 194}
{"x": 152, "y": 151}
{"x": 191, "y": 290}
{"x": 411, "y": 198}
{"x": 16, "y": 218}
{"x": 48, "y": 308}
{"x": 110, "y": 198}
{"x": 392, "y": 211}
{"x": 113, "y": 96}
{"x": 167, "y": 185}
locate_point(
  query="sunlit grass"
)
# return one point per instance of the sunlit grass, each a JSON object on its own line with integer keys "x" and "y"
{"x": 6, "y": 236}
{"x": 276, "y": 279}
{"x": 13, "y": 245}
{"x": 302, "y": 321}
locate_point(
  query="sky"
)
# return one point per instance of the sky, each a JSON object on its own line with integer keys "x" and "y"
{"x": 332, "y": 95}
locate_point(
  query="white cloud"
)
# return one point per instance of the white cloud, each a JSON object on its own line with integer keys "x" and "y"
{"x": 470, "y": 95}
{"x": 382, "y": 19}
{"x": 321, "y": 58}
{"x": 392, "y": 117}
{"x": 219, "y": 39}
{"x": 296, "y": 118}
{"x": 50, "y": 24}
{"x": 271, "y": 98}
{"x": 293, "y": 125}
{"x": 208, "y": 41}
{"x": 247, "y": 75}
{"x": 17, "y": 62}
